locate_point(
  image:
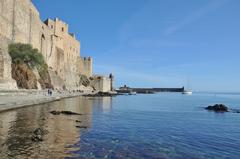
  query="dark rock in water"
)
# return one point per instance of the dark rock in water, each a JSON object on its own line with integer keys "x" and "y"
{"x": 78, "y": 121}
{"x": 37, "y": 138}
{"x": 69, "y": 113}
{"x": 82, "y": 127}
{"x": 38, "y": 135}
{"x": 55, "y": 112}
{"x": 38, "y": 131}
{"x": 64, "y": 112}
{"x": 100, "y": 94}
{"x": 218, "y": 108}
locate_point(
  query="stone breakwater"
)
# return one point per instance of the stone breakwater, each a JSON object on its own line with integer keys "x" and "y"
{"x": 18, "y": 99}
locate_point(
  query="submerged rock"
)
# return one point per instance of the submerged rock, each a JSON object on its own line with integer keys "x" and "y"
{"x": 218, "y": 108}
{"x": 38, "y": 131}
{"x": 54, "y": 112}
{"x": 38, "y": 135}
{"x": 69, "y": 113}
{"x": 101, "y": 94}
{"x": 81, "y": 127}
{"x": 37, "y": 138}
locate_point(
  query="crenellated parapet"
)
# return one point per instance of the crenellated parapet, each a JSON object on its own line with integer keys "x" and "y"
{"x": 85, "y": 66}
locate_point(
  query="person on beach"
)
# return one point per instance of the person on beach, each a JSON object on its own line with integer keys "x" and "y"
{"x": 49, "y": 92}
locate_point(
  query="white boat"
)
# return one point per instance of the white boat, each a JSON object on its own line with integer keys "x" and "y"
{"x": 187, "y": 92}
{"x": 132, "y": 93}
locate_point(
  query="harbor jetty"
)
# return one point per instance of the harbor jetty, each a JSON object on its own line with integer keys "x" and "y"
{"x": 126, "y": 89}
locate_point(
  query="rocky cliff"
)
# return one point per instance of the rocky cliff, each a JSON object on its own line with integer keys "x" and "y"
{"x": 30, "y": 78}
{"x": 29, "y": 68}
{"x": 44, "y": 77}
{"x": 24, "y": 76}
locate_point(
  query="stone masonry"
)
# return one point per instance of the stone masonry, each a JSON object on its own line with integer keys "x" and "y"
{"x": 20, "y": 22}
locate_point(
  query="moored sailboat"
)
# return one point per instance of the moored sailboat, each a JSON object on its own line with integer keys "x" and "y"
{"x": 187, "y": 92}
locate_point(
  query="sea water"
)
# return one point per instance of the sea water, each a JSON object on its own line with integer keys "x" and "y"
{"x": 164, "y": 125}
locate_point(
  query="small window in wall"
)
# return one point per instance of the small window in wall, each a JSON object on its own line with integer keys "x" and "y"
{"x": 62, "y": 29}
{"x": 52, "y": 26}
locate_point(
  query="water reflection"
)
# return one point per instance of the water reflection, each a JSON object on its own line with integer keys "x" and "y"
{"x": 17, "y": 126}
{"x": 156, "y": 126}
{"x": 102, "y": 104}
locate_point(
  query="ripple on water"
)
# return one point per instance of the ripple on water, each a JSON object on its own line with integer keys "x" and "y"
{"x": 165, "y": 126}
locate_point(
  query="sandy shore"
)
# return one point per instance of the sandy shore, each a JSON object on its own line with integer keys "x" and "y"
{"x": 17, "y": 99}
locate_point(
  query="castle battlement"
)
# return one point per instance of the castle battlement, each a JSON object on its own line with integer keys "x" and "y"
{"x": 87, "y": 58}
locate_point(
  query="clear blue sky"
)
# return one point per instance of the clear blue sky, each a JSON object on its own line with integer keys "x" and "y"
{"x": 157, "y": 43}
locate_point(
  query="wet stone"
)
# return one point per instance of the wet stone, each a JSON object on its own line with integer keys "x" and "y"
{"x": 218, "y": 108}
{"x": 38, "y": 135}
{"x": 37, "y": 138}
{"x": 81, "y": 127}
{"x": 100, "y": 94}
{"x": 69, "y": 113}
{"x": 54, "y": 112}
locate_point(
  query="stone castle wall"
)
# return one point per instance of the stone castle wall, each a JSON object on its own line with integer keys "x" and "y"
{"x": 6, "y": 81}
{"x": 20, "y": 22}
{"x": 101, "y": 83}
{"x": 85, "y": 66}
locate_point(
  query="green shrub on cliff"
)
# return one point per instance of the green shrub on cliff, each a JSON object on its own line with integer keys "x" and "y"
{"x": 25, "y": 53}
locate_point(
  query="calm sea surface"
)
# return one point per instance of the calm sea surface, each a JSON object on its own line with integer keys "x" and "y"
{"x": 165, "y": 126}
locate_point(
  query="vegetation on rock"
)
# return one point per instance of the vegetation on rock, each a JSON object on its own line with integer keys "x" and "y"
{"x": 26, "y": 55}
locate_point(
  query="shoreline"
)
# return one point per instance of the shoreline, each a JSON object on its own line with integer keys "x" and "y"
{"x": 10, "y": 100}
